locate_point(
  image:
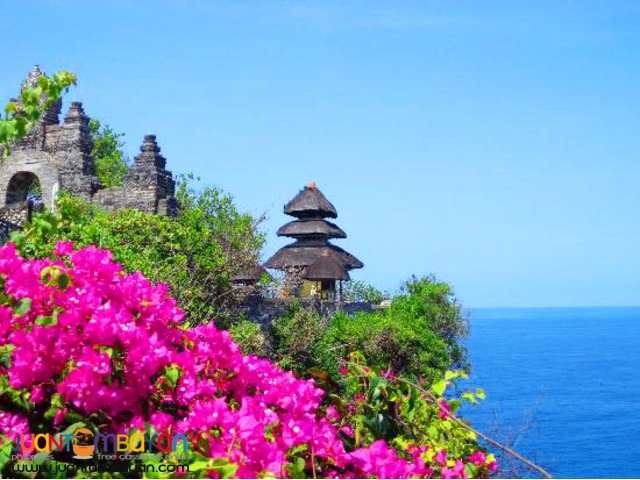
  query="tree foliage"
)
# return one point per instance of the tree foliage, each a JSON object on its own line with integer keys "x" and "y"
{"x": 429, "y": 304}
{"x": 250, "y": 337}
{"x": 107, "y": 154}
{"x": 297, "y": 341}
{"x": 358, "y": 291}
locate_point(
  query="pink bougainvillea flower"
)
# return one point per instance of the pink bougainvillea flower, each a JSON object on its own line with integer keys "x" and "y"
{"x": 63, "y": 249}
{"x": 441, "y": 456}
{"x": 59, "y": 417}
{"x": 12, "y": 425}
{"x": 348, "y": 431}
{"x": 109, "y": 345}
{"x": 457, "y": 471}
{"x": 445, "y": 409}
{"x": 478, "y": 458}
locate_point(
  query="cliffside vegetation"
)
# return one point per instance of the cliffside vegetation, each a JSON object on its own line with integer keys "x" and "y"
{"x": 418, "y": 335}
{"x": 90, "y": 338}
{"x": 195, "y": 254}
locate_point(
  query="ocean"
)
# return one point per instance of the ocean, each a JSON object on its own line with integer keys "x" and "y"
{"x": 562, "y": 386}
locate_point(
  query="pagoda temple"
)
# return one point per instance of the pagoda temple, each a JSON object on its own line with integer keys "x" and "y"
{"x": 312, "y": 265}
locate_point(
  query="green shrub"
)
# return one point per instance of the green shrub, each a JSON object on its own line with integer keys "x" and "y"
{"x": 417, "y": 336}
{"x": 250, "y": 338}
{"x": 357, "y": 291}
{"x": 430, "y": 304}
{"x": 196, "y": 254}
{"x": 401, "y": 344}
{"x": 296, "y": 339}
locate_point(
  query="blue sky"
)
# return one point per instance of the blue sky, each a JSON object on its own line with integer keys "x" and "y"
{"x": 494, "y": 144}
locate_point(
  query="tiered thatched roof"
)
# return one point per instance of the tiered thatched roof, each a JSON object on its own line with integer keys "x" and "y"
{"x": 307, "y": 227}
{"x": 301, "y": 254}
{"x": 310, "y": 202}
{"x": 312, "y": 233}
{"x": 325, "y": 267}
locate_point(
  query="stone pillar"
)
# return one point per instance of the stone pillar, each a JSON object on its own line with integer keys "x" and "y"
{"x": 148, "y": 185}
{"x": 70, "y": 145}
{"x": 292, "y": 283}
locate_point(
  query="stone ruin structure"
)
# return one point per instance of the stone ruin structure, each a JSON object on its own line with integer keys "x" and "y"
{"x": 57, "y": 156}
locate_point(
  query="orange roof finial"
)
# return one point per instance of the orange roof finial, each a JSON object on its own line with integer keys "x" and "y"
{"x": 311, "y": 184}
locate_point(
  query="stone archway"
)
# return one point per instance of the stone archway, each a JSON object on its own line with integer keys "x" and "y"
{"x": 19, "y": 172}
{"x": 23, "y": 186}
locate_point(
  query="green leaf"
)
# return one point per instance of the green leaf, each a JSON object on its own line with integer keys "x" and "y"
{"x": 469, "y": 396}
{"x": 480, "y": 393}
{"x": 439, "y": 387}
{"x": 173, "y": 374}
{"x": 23, "y": 307}
{"x": 199, "y": 465}
{"x": 43, "y": 225}
{"x": 11, "y": 108}
{"x": 71, "y": 429}
{"x": 64, "y": 280}
{"x": 47, "y": 321}
{"x": 296, "y": 470}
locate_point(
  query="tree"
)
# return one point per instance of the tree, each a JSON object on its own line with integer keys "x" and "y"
{"x": 107, "y": 154}
{"x": 358, "y": 291}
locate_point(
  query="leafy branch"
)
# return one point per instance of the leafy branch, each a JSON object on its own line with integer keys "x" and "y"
{"x": 20, "y": 115}
{"x": 434, "y": 396}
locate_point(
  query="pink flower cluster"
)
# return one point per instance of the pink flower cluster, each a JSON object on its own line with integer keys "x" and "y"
{"x": 104, "y": 343}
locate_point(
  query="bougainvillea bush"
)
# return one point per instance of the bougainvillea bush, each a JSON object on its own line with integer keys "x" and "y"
{"x": 84, "y": 344}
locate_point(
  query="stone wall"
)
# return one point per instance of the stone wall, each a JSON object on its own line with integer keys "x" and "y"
{"x": 14, "y": 216}
{"x": 264, "y": 311}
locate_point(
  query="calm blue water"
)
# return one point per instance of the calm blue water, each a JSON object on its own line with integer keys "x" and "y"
{"x": 563, "y": 383}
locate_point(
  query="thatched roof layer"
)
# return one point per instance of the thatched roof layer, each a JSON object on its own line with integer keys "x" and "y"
{"x": 325, "y": 268}
{"x": 310, "y": 202}
{"x": 308, "y": 228}
{"x": 305, "y": 253}
{"x": 251, "y": 274}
